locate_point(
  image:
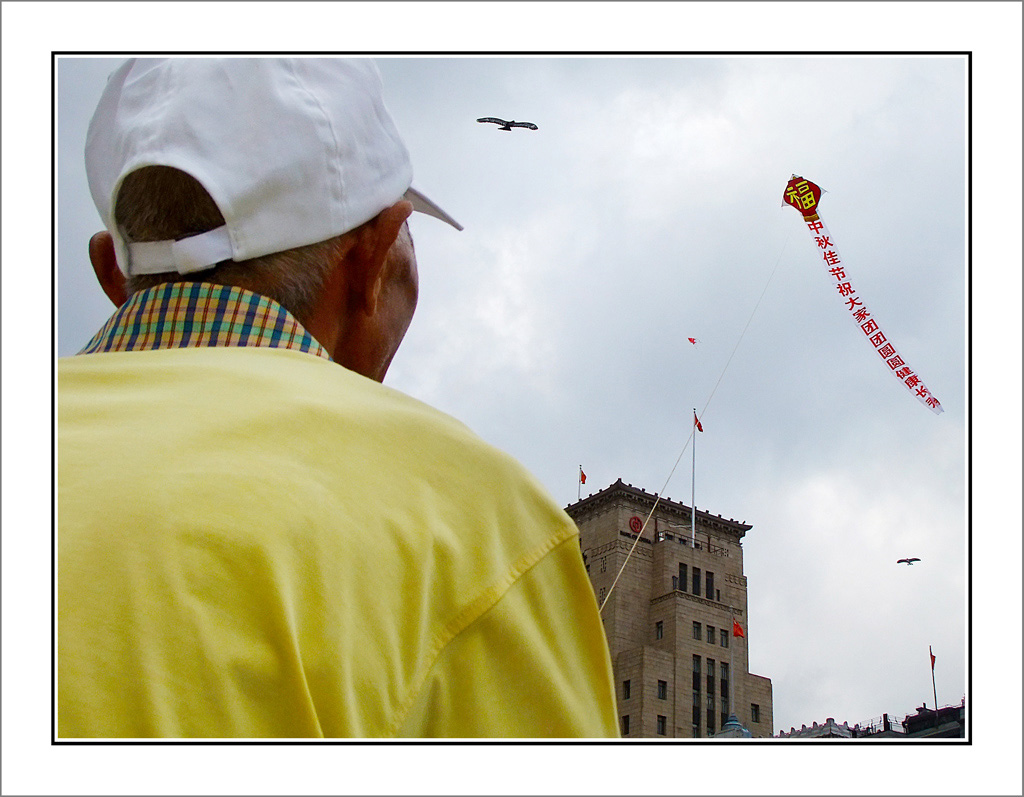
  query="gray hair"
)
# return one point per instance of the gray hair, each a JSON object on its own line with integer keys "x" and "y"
{"x": 160, "y": 203}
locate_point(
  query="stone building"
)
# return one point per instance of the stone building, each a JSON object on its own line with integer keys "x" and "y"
{"x": 669, "y": 620}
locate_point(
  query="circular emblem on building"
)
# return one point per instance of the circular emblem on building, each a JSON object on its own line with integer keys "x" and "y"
{"x": 636, "y": 524}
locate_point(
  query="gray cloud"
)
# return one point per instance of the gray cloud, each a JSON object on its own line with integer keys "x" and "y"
{"x": 645, "y": 210}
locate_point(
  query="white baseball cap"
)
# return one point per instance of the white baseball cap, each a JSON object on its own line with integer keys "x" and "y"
{"x": 292, "y": 150}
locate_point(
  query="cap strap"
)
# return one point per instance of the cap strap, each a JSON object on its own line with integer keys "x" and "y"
{"x": 196, "y": 253}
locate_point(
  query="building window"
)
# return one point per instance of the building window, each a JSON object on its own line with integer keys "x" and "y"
{"x": 662, "y": 690}
{"x": 675, "y": 582}
{"x": 755, "y": 712}
{"x": 661, "y": 725}
{"x": 696, "y": 581}
{"x": 604, "y": 563}
{"x": 659, "y": 630}
{"x": 696, "y": 676}
{"x": 718, "y": 595}
{"x": 709, "y": 585}
{"x": 711, "y": 721}
{"x": 724, "y": 670}
{"x": 625, "y": 725}
{"x": 696, "y": 630}
{"x": 682, "y": 577}
{"x": 625, "y": 690}
{"x": 711, "y": 635}
{"x": 711, "y": 676}
{"x": 696, "y": 664}
{"x": 600, "y": 596}
{"x": 696, "y": 720}
{"x": 723, "y": 636}
{"x": 725, "y": 707}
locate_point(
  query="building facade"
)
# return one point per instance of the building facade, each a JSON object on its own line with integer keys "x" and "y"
{"x": 679, "y": 670}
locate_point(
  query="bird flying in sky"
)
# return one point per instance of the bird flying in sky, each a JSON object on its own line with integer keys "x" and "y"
{"x": 909, "y": 561}
{"x": 507, "y": 125}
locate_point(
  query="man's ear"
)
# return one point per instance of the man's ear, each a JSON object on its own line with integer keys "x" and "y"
{"x": 375, "y": 241}
{"x": 104, "y": 263}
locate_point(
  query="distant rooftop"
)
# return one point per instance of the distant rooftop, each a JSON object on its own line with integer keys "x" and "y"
{"x": 925, "y": 722}
{"x": 828, "y": 729}
{"x": 733, "y": 728}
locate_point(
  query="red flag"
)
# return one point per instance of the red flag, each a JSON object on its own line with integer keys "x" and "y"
{"x": 583, "y": 477}
{"x": 697, "y": 423}
{"x": 737, "y": 630}
{"x": 694, "y": 341}
{"x": 933, "y": 657}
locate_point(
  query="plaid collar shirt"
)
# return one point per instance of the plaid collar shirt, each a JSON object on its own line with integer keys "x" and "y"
{"x": 198, "y": 314}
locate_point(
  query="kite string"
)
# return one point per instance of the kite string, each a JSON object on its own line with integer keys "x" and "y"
{"x": 746, "y": 327}
{"x": 689, "y": 440}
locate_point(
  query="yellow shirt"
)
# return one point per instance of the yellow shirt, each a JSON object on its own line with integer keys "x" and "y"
{"x": 256, "y": 542}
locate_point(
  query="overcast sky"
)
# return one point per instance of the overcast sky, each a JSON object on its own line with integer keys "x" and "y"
{"x": 646, "y": 209}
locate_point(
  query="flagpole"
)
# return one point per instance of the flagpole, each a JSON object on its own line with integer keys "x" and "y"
{"x": 579, "y": 483}
{"x": 693, "y": 485}
{"x": 935, "y": 697}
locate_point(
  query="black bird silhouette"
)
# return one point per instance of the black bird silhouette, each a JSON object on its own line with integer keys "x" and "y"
{"x": 909, "y": 561}
{"x": 507, "y": 125}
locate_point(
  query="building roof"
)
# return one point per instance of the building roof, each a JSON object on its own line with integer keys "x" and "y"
{"x": 830, "y": 728}
{"x": 641, "y": 497}
{"x": 733, "y": 728}
{"x": 947, "y": 721}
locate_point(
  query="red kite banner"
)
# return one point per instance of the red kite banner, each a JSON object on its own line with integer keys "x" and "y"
{"x": 804, "y": 196}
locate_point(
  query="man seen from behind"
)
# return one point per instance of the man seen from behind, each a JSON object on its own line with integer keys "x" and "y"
{"x": 256, "y": 538}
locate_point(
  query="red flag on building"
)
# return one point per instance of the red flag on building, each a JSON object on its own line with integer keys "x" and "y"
{"x": 697, "y": 423}
{"x": 583, "y": 477}
{"x": 737, "y": 630}
{"x": 933, "y": 657}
